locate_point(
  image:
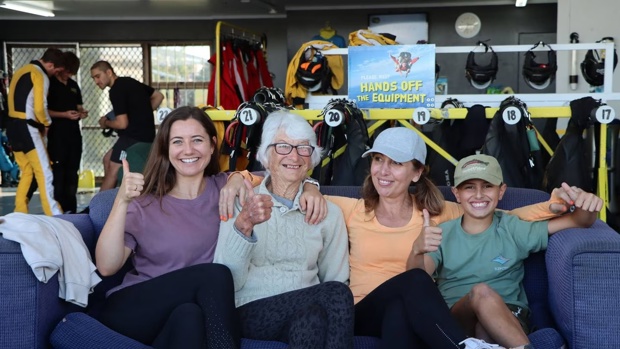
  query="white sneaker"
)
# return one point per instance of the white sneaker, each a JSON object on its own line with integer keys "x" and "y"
{"x": 475, "y": 343}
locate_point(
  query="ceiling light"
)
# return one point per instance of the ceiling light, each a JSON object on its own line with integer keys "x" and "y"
{"x": 27, "y": 9}
{"x": 521, "y": 3}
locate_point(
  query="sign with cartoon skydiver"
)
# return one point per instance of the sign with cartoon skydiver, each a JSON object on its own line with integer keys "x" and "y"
{"x": 400, "y": 76}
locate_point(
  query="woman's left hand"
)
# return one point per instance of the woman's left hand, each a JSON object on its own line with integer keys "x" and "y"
{"x": 313, "y": 203}
{"x": 582, "y": 199}
{"x": 572, "y": 195}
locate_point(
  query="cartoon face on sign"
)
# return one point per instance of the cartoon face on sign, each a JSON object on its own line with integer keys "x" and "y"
{"x": 404, "y": 62}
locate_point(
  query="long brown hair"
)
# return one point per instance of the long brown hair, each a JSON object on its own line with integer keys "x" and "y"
{"x": 159, "y": 175}
{"x": 426, "y": 194}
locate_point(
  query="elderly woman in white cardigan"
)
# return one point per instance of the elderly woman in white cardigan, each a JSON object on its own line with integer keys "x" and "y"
{"x": 289, "y": 275}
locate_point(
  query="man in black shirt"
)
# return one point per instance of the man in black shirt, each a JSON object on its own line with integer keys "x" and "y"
{"x": 64, "y": 138}
{"x": 133, "y": 103}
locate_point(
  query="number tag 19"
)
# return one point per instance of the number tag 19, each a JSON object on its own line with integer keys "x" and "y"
{"x": 421, "y": 115}
{"x": 334, "y": 117}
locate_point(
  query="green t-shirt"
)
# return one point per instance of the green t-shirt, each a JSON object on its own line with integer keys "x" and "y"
{"x": 494, "y": 257}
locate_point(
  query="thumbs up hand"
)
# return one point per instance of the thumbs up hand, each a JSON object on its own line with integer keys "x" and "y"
{"x": 132, "y": 183}
{"x": 429, "y": 238}
{"x": 256, "y": 210}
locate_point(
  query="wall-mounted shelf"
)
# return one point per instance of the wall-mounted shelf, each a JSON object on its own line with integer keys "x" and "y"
{"x": 493, "y": 100}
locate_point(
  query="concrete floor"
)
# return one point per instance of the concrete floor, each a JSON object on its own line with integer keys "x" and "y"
{"x": 7, "y": 200}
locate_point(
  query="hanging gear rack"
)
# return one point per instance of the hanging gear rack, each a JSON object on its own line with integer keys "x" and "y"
{"x": 223, "y": 30}
{"x": 540, "y": 105}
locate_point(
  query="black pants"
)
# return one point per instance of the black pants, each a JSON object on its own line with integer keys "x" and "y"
{"x": 188, "y": 308}
{"x": 408, "y": 311}
{"x": 65, "y": 151}
{"x": 316, "y": 317}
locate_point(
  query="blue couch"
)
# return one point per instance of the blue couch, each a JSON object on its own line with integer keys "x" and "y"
{"x": 573, "y": 289}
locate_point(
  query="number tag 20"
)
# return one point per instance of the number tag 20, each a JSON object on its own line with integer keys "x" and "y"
{"x": 334, "y": 117}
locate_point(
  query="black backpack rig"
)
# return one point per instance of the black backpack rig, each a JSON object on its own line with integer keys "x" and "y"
{"x": 515, "y": 145}
{"x": 243, "y": 135}
{"x": 458, "y": 137}
{"x": 343, "y": 134}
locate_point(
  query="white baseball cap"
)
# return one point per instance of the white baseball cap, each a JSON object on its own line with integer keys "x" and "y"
{"x": 400, "y": 144}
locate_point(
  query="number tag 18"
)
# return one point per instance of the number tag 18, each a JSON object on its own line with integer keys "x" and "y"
{"x": 334, "y": 117}
{"x": 511, "y": 115}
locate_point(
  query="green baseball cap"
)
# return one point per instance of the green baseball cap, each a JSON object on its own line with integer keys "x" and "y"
{"x": 478, "y": 166}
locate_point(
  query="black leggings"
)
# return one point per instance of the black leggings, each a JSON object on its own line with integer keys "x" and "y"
{"x": 188, "y": 308}
{"x": 408, "y": 311}
{"x": 319, "y": 316}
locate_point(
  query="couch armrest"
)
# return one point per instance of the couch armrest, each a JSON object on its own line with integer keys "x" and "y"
{"x": 29, "y": 309}
{"x": 584, "y": 285}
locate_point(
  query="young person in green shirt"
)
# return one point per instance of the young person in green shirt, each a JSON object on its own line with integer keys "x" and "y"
{"x": 477, "y": 259}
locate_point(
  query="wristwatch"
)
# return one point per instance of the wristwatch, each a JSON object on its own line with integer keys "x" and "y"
{"x": 313, "y": 182}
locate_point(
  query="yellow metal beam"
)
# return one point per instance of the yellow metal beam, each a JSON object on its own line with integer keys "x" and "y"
{"x": 602, "y": 189}
{"x": 407, "y": 114}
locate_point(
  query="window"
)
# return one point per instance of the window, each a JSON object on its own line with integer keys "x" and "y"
{"x": 182, "y": 73}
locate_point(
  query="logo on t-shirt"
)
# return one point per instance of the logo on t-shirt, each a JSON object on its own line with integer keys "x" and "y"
{"x": 501, "y": 260}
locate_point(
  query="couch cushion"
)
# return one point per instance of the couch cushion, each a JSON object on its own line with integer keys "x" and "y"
{"x": 256, "y": 344}
{"x": 79, "y": 331}
{"x": 547, "y": 338}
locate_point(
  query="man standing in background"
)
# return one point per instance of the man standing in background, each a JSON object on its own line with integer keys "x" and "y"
{"x": 27, "y": 128}
{"x": 64, "y": 138}
{"x": 133, "y": 103}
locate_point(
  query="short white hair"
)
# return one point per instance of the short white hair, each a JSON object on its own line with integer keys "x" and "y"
{"x": 294, "y": 127}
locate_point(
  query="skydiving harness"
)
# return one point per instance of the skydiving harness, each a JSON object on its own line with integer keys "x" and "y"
{"x": 244, "y": 131}
{"x": 343, "y": 129}
{"x": 512, "y": 140}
